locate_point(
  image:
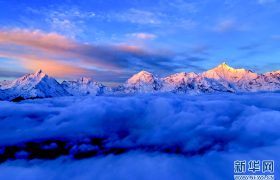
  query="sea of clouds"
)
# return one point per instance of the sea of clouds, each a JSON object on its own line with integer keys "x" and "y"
{"x": 165, "y": 136}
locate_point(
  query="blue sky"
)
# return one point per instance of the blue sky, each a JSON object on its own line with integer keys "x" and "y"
{"x": 111, "y": 40}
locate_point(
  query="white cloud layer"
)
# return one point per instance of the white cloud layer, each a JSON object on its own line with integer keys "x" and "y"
{"x": 204, "y": 135}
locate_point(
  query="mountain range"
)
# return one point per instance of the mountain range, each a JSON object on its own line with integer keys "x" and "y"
{"x": 219, "y": 79}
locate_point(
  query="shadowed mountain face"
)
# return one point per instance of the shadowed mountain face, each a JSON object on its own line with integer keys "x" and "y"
{"x": 219, "y": 79}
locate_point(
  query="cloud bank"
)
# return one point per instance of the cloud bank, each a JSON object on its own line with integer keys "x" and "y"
{"x": 164, "y": 136}
{"x": 147, "y": 120}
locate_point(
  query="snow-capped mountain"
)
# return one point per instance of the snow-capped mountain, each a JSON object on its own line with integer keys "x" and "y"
{"x": 257, "y": 82}
{"x": 188, "y": 83}
{"x": 239, "y": 79}
{"x": 31, "y": 86}
{"x": 177, "y": 81}
{"x": 85, "y": 86}
{"x": 192, "y": 83}
{"x": 219, "y": 79}
{"x": 245, "y": 81}
{"x": 274, "y": 73}
{"x": 143, "y": 82}
{"x": 224, "y": 72}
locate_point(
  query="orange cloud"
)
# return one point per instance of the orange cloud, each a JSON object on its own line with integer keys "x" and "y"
{"x": 49, "y": 66}
{"x": 40, "y": 44}
{"x": 50, "y": 42}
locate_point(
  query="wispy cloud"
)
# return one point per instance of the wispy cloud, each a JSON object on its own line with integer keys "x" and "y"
{"x": 154, "y": 19}
{"x": 62, "y": 11}
{"x": 73, "y": 21}
{"x": 63, "y": 19}
{"x": 136, "y": 16}
{"x": 67, "y": 27}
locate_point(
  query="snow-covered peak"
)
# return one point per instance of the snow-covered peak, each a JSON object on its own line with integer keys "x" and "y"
{"x": 143, "y": 73}
{"x": 183, "y": 74}
{"x": 30, "y": 79}
{"x": 192, "y": 74}
{"x": 274, "y": 73}
{"x": 38, "y": 72}
{"x": 143, "y": 82}
{"x": 179, "y": 78}
{"x": 222, "y": 78}
{"x": 33, "y": 85}
{"x": 143, "y": 76}
{"x": 85, "y": 86}
{"x": 224, "y": 72}
{"x": 83, "y": 80}
{"x": 223, "y": 65}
